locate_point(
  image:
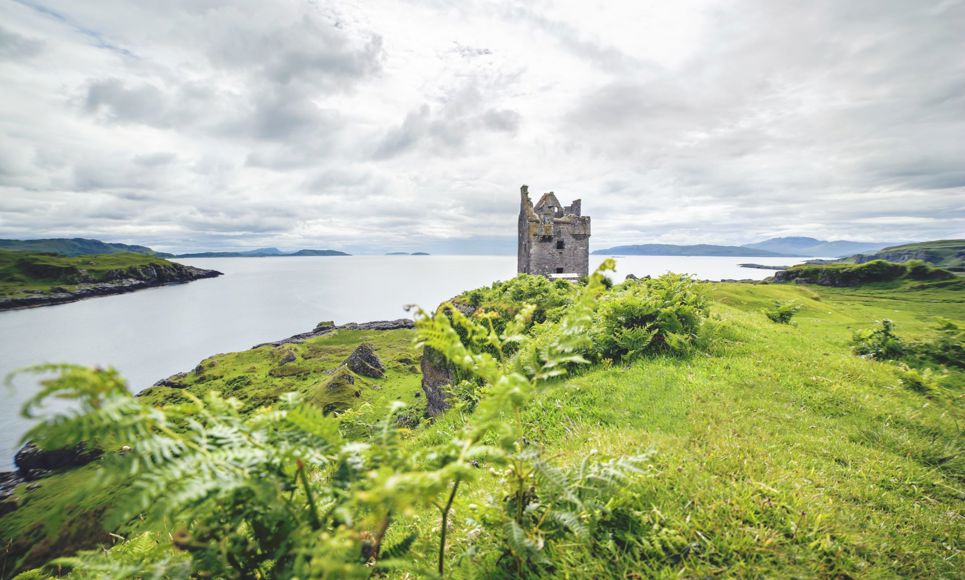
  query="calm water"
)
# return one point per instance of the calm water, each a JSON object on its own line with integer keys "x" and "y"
{"x": 152, "y": 334}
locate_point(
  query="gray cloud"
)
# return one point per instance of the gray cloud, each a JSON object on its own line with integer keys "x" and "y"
{"x": 13, "y": 45}
{"x": 192, "y": 125}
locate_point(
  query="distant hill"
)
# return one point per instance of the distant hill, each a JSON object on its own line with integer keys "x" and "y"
{"x": 406, "y": 254}
{"x": 75, "y": 247}
{"x": 949, "y": 254}
{"x": 804, "y": 246}
{"x": 262, "y": 253}
{"x": 694, "y": 250}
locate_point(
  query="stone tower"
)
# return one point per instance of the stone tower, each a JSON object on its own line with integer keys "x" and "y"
{"x": 554, "y": 241}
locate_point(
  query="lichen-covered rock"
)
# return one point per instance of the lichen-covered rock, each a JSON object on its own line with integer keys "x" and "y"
{"x": 33, "y": 462}
{"x": 365, "y": 362}
{"x": 437, "y": 373}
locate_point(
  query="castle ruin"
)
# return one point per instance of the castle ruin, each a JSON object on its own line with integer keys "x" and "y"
{"x": 554, "y": 241}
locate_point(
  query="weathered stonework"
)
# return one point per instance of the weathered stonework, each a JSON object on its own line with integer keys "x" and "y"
{"x": 554, "y": 241}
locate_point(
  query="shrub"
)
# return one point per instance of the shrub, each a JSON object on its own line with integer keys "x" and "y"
{"x": 506, "y": 299}
{"x": 879, "y": 343}
{"x": 924, "y": 381}
{"x": 948, "y": 348}
{"x": 783, "y": 311}
{"x": 657, "y": 315}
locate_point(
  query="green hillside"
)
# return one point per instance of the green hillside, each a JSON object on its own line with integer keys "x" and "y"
{"x": 74, "y": 247}
{"x": 751, "y": 449}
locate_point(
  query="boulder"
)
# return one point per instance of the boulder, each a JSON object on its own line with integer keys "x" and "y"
{"x": 33, "y": 462}
{"x": 363, "y": 361}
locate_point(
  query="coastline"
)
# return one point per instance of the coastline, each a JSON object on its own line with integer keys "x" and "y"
{"x": 151, "y": 278}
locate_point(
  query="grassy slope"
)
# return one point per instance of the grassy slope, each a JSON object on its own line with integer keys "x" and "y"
{"x": 306, "y": 374}
{"x": 782, "y": 454}
{"x": 72, "y": 246}
{"x": 22, "y": 272}
{"x": 778, "y": 454}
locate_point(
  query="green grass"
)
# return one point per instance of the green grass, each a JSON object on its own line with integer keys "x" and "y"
{"x": 778, "y": 452}
{"x": 21, "y": 272}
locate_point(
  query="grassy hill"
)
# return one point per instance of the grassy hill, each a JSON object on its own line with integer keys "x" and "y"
{"x": 949, "y": 254}
{"x": 75, "y": 247}
{"x": 776, "y": 451}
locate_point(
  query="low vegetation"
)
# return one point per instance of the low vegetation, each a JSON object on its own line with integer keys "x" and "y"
{"x": 659, "y": 428}
{"x": 782, "y": 311}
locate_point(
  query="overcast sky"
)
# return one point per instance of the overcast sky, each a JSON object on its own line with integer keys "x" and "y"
{"x": 373, "y": 125}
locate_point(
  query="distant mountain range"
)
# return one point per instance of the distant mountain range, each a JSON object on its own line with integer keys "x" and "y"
{"x": 75, "y": 247}
{"x": 695, "y": 250}
{"x": 262, "y": 253}
{"x": 802, "y": 246}
{"x": 406, "y": 254}
{"x": 797, "y": 247}
{"x": 83, "y": 247}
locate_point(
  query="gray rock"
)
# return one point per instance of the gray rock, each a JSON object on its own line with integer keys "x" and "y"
{"x": 437, "y": 373}
{"x": 323, "y": 328}
{"x": 363, "y": 361}
{"x": 34, "y": 463}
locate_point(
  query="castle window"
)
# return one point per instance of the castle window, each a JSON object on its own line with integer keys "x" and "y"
{"x": 559, "y": 270}
{"x": 560, "y": 245}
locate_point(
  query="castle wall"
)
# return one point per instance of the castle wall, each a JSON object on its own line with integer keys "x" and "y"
{"x": 543, "y": 228}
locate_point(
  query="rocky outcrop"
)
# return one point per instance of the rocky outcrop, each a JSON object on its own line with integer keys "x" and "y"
{"x": 923, "y": 255}
{"x": 109, "y": 283}
{"x": 437, "y": 373}
{"x": 763, "y": 267}
{"x": 327, "y": 327}
{"x": 33, "y": 462}
{"x": 363, "y": 361}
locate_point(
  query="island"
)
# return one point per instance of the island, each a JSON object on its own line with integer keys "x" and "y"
{"x": 41, "y": 279}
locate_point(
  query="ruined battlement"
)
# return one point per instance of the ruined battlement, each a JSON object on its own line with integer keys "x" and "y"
{"x": 554, "y": 240}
